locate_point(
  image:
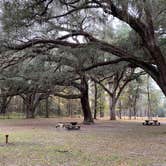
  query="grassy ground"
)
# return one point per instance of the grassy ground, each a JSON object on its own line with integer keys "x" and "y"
{"x": 121, "y": 143}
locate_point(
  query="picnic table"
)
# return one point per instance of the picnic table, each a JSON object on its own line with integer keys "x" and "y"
{"x": 69, "y": 125}
{"x": 151, "y": 122}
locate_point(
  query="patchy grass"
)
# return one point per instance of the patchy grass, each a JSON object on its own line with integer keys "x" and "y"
{"x": 121, "y": 143}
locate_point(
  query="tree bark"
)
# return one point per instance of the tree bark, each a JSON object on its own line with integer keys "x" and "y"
{"x": 59, "y": 106}
{"x": 135, "y": 102}
{"x": 149, "y": 101}
{"x": 30, "y": 111}
{"x": 85, "y": 102}
{"x": 47, "y": 109}
{"x": 120, "y": 109}
{"x": 31, "y": 101}
{"x": 113, "y": 98}
{"x": 134, "y": 111}
{"x": 112, "y": 108}
{"x": 4, "y": 104}
{"x": 130, "y": 113}
{"x": 95, "y": 103}
{"x": 3, "y": 109}
{"x": 69, "y": 108}
{"x": 130, "y": 104}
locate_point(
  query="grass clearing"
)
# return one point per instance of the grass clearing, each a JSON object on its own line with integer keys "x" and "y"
{"x": 122, "y": 143}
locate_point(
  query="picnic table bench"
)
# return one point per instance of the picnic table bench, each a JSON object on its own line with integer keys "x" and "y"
{"x": 151, "y": 122}
{"x": 69, "y": 125}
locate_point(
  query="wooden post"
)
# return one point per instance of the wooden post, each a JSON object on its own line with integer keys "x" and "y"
{"x": 7, "y": 136}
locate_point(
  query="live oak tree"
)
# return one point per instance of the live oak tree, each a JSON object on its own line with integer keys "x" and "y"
{"x": 12, "y": 84}
{"x": 49, "y": 24}
{"x": 34, "y": 77}
{"x": 51, "y": 74}
{"x": 76, "y": 18}
{"x": 75, "y": 62}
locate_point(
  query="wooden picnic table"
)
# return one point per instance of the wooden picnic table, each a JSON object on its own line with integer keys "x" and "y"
{"x": 69, "y": 125}
{"x": 151, "y": 122}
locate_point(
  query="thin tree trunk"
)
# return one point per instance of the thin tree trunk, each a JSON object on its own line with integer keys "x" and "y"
{"x": 120, "y": 109}
{"x": 130, "y": 113}
{"x": 47, "y": 109}
{"x": 135, "y": 112}
{"x": 101, "y": 108}
{"x": 69, "y": 109}
{"x": 130, "y": 103}
{"x": 95, "y": 103}
{"x": 135, "y": 102}
{"x": 59, "y": 106}
{"x": 149, "y": 102}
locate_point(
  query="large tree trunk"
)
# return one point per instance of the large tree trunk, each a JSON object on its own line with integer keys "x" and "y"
{"x": 30, "y": 111}
{"x": 112, "y": 108}
{"x": 31, "y": 101}
{"x": 161, "y": 79}
{"x": 162, "y": 85}
{"x": 156, "y": 53}
{"x": 86, "y": 110}
{"x": 3, "y": 109}
{"x": 85, "y": 102}
{"x": 113, "y": 99}
{"x": 4, "y": 104}
{"x": 149, "y": 39}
